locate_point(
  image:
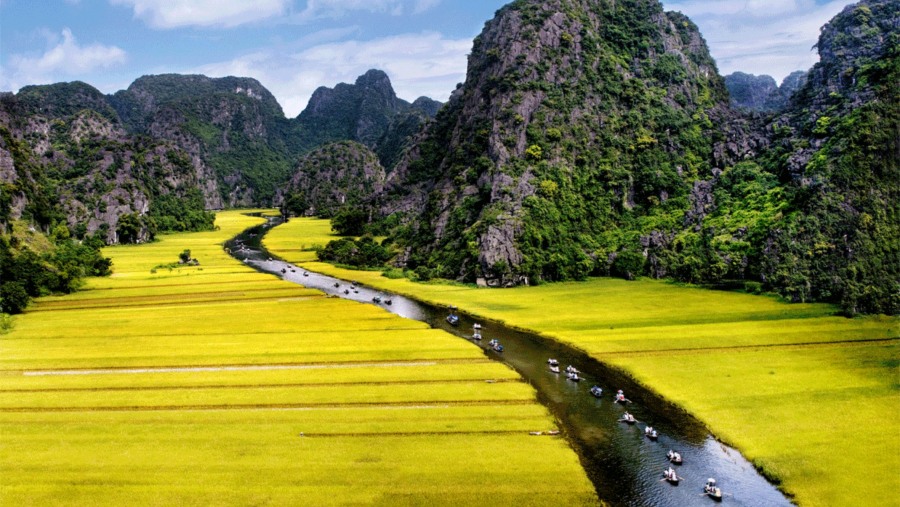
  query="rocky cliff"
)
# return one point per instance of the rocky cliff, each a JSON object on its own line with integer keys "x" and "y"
{"x": 761, "y": 93}
{"x": 595, "y": 137}
{"x": 333, "y": 176}
{"x": 368, "y": 112}
{"x": 72, "y": 154}
{"x": 61, "y": 164}
{"x": 233, "y": 125}
{"x": 575, "y": 117}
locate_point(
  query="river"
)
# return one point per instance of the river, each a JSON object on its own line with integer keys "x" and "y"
{"x": 624, "y": 465}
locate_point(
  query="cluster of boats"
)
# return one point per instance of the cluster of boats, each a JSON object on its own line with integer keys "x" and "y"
{"x": 669, "y": 474}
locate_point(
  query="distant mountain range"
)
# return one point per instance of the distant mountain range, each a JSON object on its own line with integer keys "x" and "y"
{"x": 591, "y": 137}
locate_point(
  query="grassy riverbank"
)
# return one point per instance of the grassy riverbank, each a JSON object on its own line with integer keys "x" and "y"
{"x": 810, "y": 397}
{"x": 218, "y": 385}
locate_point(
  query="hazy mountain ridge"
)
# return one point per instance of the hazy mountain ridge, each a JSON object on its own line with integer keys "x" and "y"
{"x": 761, "y": 93}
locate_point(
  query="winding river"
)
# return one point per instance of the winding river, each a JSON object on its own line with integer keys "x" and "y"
{"x": 624, "y": 465}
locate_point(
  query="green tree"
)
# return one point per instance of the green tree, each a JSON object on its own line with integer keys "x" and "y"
{"x": 13, "y": 297}
{"x": 350, "y": 222}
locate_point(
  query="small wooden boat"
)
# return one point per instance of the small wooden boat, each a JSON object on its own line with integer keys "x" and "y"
{"x": 388, "y": 302}
{"x": 305, "y": 273}
{"x": 674, "y": 457}
{"x": 552, "y": 362}
{"x": 376, "y": 299}
{"x": 283, "y": 271}
{"x": 572, "y": 369}
{"x": 711, "y": 490}
{"x": 476, "y": 336}
{"x": 453, "y": 319}
{"x": 554, "y": 369}
{"x": 497, "y": 347}
{"x": 628, "y": 418}
{"x": 670, "y": 475}
{"x": 336, "y": 285}
{"x": 476, "y": 326}
{"x": 620, "y": 398}
{"x": 596, "y": 391}
{"x": 651, "y": 433}
{"x": 573, "y": 377}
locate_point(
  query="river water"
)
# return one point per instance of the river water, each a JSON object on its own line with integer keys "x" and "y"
{"x": 624, "y": 465}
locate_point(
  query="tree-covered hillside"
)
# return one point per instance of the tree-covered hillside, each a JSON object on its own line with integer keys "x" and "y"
{"x": 596, "y": 138}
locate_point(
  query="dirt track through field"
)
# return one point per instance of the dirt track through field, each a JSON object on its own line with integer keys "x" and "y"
{"x": 203, "y": 369}
{"x": 265, "y": 406}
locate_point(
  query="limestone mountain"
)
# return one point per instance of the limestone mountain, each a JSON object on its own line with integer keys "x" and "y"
{"x": 333, "y": 176}
{"x": 837, "y": 149}
{"x": 761, "y": 93}
{"x": 233, "y": 125}
{"x": 579, "y": 130}
{"x": 596, "y": 137}
{"x": 368, "y": 112}
{"x": 71, "y": 154}
{"x": 66, "y": 159}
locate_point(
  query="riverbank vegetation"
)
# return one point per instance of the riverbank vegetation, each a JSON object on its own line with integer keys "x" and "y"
{"x": 807, "y": 395}
{"x": 216, "y": 384}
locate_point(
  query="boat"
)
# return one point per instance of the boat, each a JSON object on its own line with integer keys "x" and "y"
{"x": 620, "y": 398}
{"x": 711, "y": 490}
{"x": 346, "y": 291}
{"x": 305, "y": 273}
{"x": 552, "y": 362}
{"x": 388, "y": 302}
{"x": 476, "y": 326}
{"x": 376, "y": 299}
{"x": 651, "y": 433}
{"x": 476, "y": 336}
{"x": 554, "y": 369}
{"x": 453, "y": 319}
{"x": 628, "y": 418}
{"x": 674, "y": 457}
{"x": 572, "y": 369}
{"x": 497, "y": 347}
{"x": 336, "y": 285}
{"x": 596, "y": 391}
{"x": 573, "y": 376}
{"x": 670, "y": 475}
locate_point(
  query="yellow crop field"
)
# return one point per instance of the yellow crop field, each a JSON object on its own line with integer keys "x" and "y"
{"x": 218, "y": 385}
{"x": 812, "y": 398}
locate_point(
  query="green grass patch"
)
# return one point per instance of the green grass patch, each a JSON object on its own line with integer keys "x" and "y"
{"x": 810, "y": 397}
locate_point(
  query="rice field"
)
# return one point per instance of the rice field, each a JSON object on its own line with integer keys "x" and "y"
{"x": 218, "y": 385}
{"x": 812, "y": 398}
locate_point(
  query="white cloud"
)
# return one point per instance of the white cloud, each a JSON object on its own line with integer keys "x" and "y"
{"x": 166, "y": 14}
{"x": 66, "y": 59}
{"x": 773, "y": 37}
{"x": 417, "y": 64}
{"x": 338, "y": 8}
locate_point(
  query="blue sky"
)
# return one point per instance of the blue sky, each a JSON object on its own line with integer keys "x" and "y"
{"x": 294, "y": 46}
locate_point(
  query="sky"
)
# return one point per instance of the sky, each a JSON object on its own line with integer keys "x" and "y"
{"x": 294, "y": 46}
